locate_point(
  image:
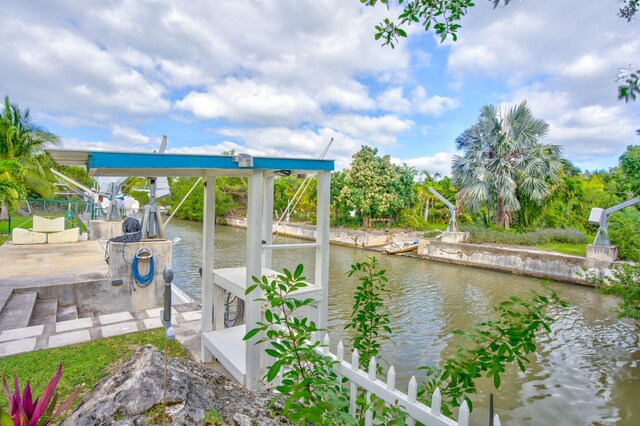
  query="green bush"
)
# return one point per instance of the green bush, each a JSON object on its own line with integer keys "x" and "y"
{"x": 532, "y": 238}
{"x": 624, "y": 232}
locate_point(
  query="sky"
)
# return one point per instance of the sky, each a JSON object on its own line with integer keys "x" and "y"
{"x": 283, "y": 77}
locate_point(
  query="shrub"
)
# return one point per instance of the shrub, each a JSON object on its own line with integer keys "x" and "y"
{"x": 532, "y": 238}
{"x": 624, "y": 232}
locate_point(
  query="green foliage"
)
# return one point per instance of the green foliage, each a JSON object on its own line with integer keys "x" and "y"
{"x": 630, "y": 166}
{"x": 374, "y": 186}
{"x": 312, "y": 391}
{"x": 623, "y": 282}
{"x": 531, "y": 238}
{"x": 24, "y": 141}
{"x": 630, "y": 88}
{"x": 492, "y": 345}
{"x": 370, "y": 317}
{"x": 213, "y": 418}
{"x": 11, "y": 188}
{"x": 442, "y": 16}
{"x": 503, "y": 162}
{"x": 629, "y": 9}
{"x": 624, "y": 232}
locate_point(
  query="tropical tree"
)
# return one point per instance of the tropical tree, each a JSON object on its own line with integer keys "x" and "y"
{"x": 503, "y": 161}
{"x": 23, "y": 141}
{"x": 376, "y": 187}
{"x": 11, "y": 190}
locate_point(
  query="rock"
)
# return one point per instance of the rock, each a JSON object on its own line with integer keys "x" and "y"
{"x": 133, "y": 395}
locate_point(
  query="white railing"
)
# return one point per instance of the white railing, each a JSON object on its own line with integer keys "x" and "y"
{"x": 415, "y": 410}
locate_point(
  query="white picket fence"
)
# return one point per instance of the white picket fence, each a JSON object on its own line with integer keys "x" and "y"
{"x": 415, "y": 410}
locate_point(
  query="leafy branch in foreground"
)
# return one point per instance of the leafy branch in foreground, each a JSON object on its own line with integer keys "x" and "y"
{"x": 623, "y": 282}
{"x": 493, "y": 345}
{"x": 441, "y": 15}
{"x": 629, "y": 89}
{"x": 369, "y": 317}
{"x": 312, "y": 391}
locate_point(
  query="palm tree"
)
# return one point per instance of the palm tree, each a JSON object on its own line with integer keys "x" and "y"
{"x": 23, "y": 141}
{"x": 11, "y": 190}
{"x": 503, "y": 162}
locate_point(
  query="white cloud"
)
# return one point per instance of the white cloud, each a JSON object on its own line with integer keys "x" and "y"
{"x": 394, "y": 100}
{"x": 383, "y": 129}
{"x": 128, "y": 135}
{"x": 437, "y": 163}
{"x": 248, "y": 101}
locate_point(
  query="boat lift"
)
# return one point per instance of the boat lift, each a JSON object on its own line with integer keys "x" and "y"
{"x": 600, "y": 217}
{"x": 452, "y": 226}
{"x": 245, "y": 360}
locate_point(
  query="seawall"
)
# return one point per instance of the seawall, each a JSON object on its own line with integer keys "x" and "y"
{"x": 515, "y": 260}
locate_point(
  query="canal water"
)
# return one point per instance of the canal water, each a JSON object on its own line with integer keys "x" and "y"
{"x": 586, "y": 371}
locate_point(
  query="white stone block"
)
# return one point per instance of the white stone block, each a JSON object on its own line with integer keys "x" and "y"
{"x": 68, "y": 236}
{"x": 453, "y": 237}
{"x": 21, "y": 236}
{"x": 70, "y": 338}
{"x": 113, "y": 318}
{"x": 73, "y": 324}
{"x": 155, "y": 312}
{"x": 150, "y": 323}
{"x": 42, "y": 224}
{"x": 118, "y": 329}
{"x": 21, "y": 333}
{"x": 192, "y": 316}
{"x": 17, "y": 346}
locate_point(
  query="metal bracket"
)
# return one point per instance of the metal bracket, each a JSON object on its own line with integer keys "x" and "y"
{"x": 243, "y": 160}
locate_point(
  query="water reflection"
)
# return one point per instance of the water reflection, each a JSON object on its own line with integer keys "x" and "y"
{"x": 586, "y": 371}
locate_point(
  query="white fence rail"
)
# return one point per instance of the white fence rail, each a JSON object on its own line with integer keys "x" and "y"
{"x": 415, "y": 410}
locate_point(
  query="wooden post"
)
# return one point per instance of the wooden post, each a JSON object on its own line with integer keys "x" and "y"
{"x": 209, "y": 222}
{"x": 322, "y": 251}
{"x": 267, "y": 220}
{"x": 253, "y": 313}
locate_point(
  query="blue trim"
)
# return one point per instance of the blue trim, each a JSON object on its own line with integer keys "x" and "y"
{"x": 119, "y": 160}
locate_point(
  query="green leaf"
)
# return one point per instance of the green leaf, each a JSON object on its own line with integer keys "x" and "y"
{"x": 251, "y": 333}
{"x": 250, "y": 289}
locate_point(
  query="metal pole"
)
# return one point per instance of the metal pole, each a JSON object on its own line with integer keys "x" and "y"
{"x": 490, "y": 409}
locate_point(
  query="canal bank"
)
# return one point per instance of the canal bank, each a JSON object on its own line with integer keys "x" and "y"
{"x": 586, "y": 367}
{"x": 510, "y": 259}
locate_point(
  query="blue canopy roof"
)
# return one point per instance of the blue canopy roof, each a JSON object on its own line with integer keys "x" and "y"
{"x": 101, "y": 163}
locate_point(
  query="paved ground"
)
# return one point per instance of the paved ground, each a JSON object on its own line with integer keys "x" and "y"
{"x": 29, "y": 265}
{"x": 185, "y": 318}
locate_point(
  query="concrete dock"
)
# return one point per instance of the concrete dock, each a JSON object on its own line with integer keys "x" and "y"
{"x": 26, "y": 266}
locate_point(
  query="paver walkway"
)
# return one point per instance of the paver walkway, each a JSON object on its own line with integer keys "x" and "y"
{"x": 79, "y": 330}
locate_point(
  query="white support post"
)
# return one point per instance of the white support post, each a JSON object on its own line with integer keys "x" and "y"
{"x": 209, "y": 223}
{"x": 267, "y": 218}
{"x": 253, "y": 313}
{"x": 322, "y": 252}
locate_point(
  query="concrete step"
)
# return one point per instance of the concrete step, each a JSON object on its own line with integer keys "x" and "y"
{"x": 46, "y": 312}
{"x": 66, "y": 313}
{"x": 17, "y": 313}
{"x": 5, "y": 294}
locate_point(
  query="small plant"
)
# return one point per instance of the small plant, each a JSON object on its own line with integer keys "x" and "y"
{"x": 24, "y": 411}
{"x": 623, "y": 282}
{"x": 212, "y": 418}
{"x": 494, "y": 345}
{"x": 312, "y": 390}
{"x": 369, "y": 317}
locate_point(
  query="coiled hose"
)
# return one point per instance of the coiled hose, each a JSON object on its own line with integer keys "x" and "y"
{"x": 142, "y": 280}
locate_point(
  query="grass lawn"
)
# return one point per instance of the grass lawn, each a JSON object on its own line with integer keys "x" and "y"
{"x": 565, "y": 248}
{"x": 83, "y": 365}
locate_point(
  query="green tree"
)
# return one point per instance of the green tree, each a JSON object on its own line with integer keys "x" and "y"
{"x": 503, "y": 161}
{"x": 630, "y": 165}
{"x": 374, "y": 186}
{"x": 11, "y": 190}
{"x": 24, "y": 141}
